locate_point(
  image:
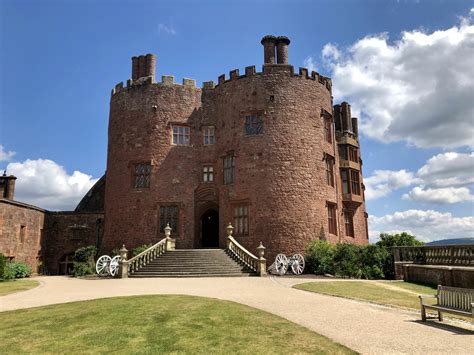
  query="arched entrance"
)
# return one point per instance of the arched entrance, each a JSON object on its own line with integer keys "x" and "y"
{"x": 210, "y": 229}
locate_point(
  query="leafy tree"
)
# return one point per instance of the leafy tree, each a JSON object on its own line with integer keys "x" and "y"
{"x": 319, "y": 258}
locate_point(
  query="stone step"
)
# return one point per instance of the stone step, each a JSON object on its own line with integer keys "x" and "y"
{"x": 190, "y": 275}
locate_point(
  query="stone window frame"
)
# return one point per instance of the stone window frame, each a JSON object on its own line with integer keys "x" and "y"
{"x": 229, "y": 168}
{"x": 330, "y": 163}
{"x": 348, "y": 152}
{"x": 332, "y": 217}
{"x": 208, "y": 173}
{"x": 254, "y": 122}
{"x": 240, "y": 212}
{"x": 349, "y": 180}
{"x": 349, "y": 223}
{"x": 185, "y": 134}
{"x": 175, "y": 220}
{"x": 328, "y": 126}
{"x": 134, "y": 175}
{"x": 209, "y": 135}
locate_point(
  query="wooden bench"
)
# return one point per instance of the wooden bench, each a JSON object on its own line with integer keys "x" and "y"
{"x": 450, "y": 300}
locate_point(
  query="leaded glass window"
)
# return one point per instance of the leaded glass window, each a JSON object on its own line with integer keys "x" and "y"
{"x": 332, "y": 218}
{"x": 349, "y": 223}
{"x": 330, "y": 170}
{"x": 241, "y": 220}
{"x": 208, "y": 174}
{"x": 169, "y": 214}
{"x": 180, "y": 135}
{"x": 209, "y": 136}
{"x": 253, "y": 125}
{"x": 229, "y": 166}
{"x": 328, "y": 129}
{"x": 142, "y": 176}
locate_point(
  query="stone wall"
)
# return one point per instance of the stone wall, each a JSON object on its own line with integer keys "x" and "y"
{"x": 21, "y": 232}
{"x": 455, "y": 276}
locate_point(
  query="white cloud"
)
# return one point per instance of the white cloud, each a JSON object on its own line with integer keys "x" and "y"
{"x": 426, "y": 225}
{"x": 448, "y": 169}
{"x": 383, "y": 182}
{"x": 439, "y": 195}
{"x": 162, "y": 28}
{"x": 418, "y": 89}
{"x": 4, "y": 155}
{"x": 45, "y": 184}
{"x": 310, "y": 63}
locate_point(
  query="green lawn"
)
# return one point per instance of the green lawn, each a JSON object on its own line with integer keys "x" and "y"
{"x": 392, "y": 293}
{"x": 156, "y": 324}
{"x": 12, "y": 286}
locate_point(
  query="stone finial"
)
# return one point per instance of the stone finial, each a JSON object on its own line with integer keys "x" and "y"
{"x": 123, "y": 253}
{"x": 261, "y": 250}
{"x": 229, "y": 230}
{"x": 167, "y": 230}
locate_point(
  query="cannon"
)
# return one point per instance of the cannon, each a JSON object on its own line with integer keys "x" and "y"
{"x": 107, "y": 266}
{"x": 282, "y": 264}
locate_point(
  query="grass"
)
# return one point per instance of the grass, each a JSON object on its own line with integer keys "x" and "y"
{"x": 156, "y": 324}
{"x": 381, "y": 292}
{"x": 7, "y": 287}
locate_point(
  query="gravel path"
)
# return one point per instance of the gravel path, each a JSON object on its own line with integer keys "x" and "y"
{"x": 364, "y": 327}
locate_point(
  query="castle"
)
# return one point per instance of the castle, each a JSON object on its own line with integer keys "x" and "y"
{"x": 266, "y": 151}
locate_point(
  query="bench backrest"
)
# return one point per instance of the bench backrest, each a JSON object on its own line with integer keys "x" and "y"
{"x": 455, "y": 297}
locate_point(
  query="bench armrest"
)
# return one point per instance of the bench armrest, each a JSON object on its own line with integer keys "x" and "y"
{"x": 421, "y": 297}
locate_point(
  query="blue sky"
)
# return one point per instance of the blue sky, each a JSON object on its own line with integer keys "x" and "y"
{"x": 60, "y": 59}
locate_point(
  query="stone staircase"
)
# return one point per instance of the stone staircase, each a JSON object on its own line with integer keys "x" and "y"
{"x": 194, "y": 263}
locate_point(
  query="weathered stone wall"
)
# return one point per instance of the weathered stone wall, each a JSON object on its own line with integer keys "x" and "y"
{"x": 67, "y": 232}
{"x": 456, "y": 276}
{"x": 94, "y": 200}
{"x": 13, "y": 217}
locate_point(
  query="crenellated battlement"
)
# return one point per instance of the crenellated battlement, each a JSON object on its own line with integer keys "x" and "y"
{"x": 166, "y": 80}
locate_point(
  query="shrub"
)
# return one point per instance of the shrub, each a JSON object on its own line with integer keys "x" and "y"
{"x": 373, "y": 259}
{"x": 347, "y": 260}
{"x": 140, "y": 249}
{"x": 83, "y": 263}
{"x": 3, "y": 265}
{"x": 319, "y": 258}
{"x": 16, "y": 271}
{"x": 387, "y": 241}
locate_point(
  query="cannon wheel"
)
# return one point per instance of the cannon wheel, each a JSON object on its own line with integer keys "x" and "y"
{"x": 281, "y": 264}
{"x": 114, "y": 265}
{"x": 297, "y": 266}
{"x": 102, "y": 265}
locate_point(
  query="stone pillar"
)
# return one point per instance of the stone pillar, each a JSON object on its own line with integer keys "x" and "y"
{"x": 268, "y": 43}
{"x": 135, "y": 68}
{"x": 282, "y": 43}
{"x": 346, "y": 117}
{"x": 262, "y": 262}
{"x": 150, "y": 66}
{"x": 123, "y": 264}
{"x": 229, "y": 231}
{"x": 170, "y": 242}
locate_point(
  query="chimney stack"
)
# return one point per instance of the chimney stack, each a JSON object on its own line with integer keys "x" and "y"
{"x": 282, "y": 43}
{"x": 7, "y": 186}
{"x": 346, "y": 117}
{"x": 144, "y": 66}
{"x": 268, "y": 43}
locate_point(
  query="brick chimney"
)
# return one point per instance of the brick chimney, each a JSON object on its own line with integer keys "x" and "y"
{"x": 144, "y": 66}
{"x": 282, "y": 43}
{"x": 268, "y": 43}
{"x": 7, "y": 186}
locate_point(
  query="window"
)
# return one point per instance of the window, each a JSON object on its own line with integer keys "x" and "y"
{"x": 209, "y": 135}
{"x": 169, "y": 214}
{"x": 352, "y": 154}
{"x": 348, "y": 152}
{"x": 349, "y": 223}
{"x": 332, "y": 218}
{"x": 241, "y": 220}
{"x": 330, "y": 170}
{"x": 208, "y": 174}
{"x": 328, "y": 129}
{"x": 142, "y": 176}
{"x": 22, "y": 234}
{"x": 355, "y": 184}
{"x": 77, "y": 233}
{"x": 180, "y": 135}
{"x": 229, "y": 165}
{"x": 253, "y": 125}
{"x": 342, "y": 152}
{"x": 345, "y": 181}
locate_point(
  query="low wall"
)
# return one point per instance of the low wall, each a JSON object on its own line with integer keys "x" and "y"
{"x": 455, "y": 276}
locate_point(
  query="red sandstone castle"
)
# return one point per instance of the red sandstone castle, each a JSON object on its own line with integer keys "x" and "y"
{"x": 266, "y": 151}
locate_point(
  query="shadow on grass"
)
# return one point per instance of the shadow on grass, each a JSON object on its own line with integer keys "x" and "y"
{"x": 444, "y": 326}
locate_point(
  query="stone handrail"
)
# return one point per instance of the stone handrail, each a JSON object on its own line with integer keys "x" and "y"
{"x": 454, "y": 255}
{"x": 134, "y": 264}
{"x": 146, "y": 256}
{"x": 257, "y": 264}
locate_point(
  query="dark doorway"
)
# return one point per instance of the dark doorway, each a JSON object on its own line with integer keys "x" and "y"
{"x": 210, "y": 229}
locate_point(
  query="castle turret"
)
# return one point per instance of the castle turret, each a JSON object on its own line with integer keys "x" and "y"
{"x": 268, "y": 43}
{"x": 7, "y": 186}
{"x": 282, "y": 43}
